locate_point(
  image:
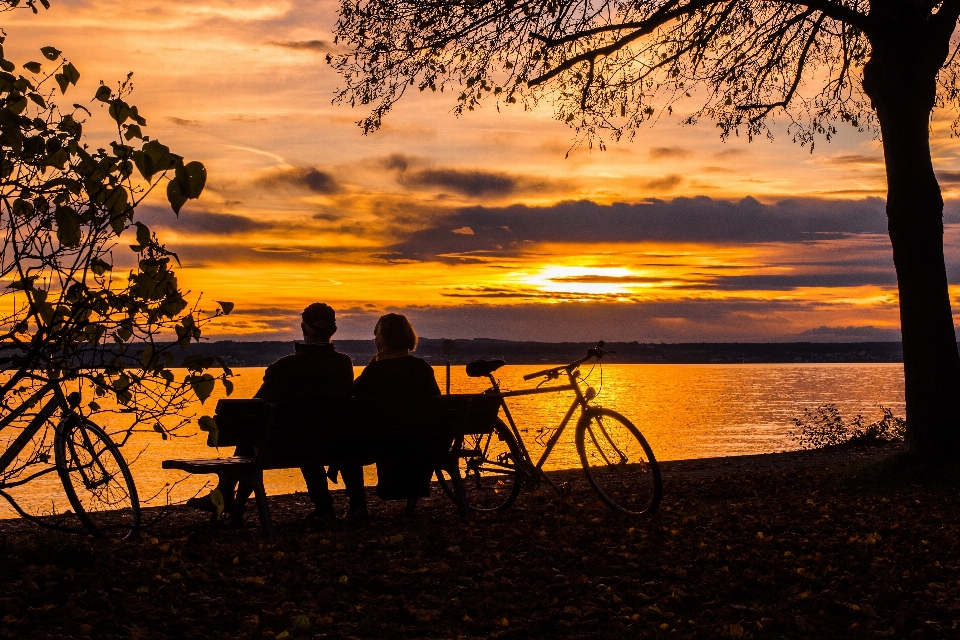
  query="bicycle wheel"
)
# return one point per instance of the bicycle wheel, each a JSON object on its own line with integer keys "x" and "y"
{"x": 618, "y": 462}
{"x": 490, "y": 474}
{"x": 96, "y": 479}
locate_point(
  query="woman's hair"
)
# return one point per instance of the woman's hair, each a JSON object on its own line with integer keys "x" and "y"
{"x": 396, "y": 332}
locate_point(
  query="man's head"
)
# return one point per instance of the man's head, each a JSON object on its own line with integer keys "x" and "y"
{"x": 319, "y": 323}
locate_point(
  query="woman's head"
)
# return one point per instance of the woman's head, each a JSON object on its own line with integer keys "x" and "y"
{"x": 394, "y": 332}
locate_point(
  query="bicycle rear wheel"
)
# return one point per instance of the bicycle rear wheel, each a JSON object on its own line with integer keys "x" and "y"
{"x": 618, "y": 462}
{"x": 96, "y": 479}
{"x": 488, "y": 470}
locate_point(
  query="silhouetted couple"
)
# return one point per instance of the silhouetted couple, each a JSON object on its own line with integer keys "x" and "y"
{"x": 318, "y": 371}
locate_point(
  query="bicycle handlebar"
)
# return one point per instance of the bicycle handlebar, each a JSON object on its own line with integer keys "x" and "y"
{"x": 593, "y": 352}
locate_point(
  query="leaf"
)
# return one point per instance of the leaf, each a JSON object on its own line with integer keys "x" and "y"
{"x": 68, "y": 226}
{"x": 33, "y": 67}
{"x": 133, "y": 131}
{"x": 192, "y": 178}
{"x": 209, "y": 424}
{"x": 103, "y": 94}
{"x": 301, "y": 624}
{"x": 175, "y": 196}
{"x": 50, "y": 53}
{"x": 62, "y": 82}
{"x": 143, "y": 236}
{"x": 6, "y": 65}
{"x": 226, "y": 306}
{"x": 202, "y": 386}
{"x": 159, "y": 429}
{"x": 228, "y": 385}
{"x": 100, "y": 267}
{"x": 71, "y": 73}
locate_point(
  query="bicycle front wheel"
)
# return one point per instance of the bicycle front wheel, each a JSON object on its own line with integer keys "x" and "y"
{"x": 96, "y": 479}
{"x": 488, "y": 469}
{"x": 618, "y": 462}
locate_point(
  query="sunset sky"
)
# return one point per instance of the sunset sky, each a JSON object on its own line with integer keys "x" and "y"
{"x": 479, "y": 226}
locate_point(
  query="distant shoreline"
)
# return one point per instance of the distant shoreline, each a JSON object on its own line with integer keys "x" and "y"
{"x": 259, "y": 354}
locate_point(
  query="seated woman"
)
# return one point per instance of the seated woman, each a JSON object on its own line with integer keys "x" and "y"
{"x": 405, "y": 470}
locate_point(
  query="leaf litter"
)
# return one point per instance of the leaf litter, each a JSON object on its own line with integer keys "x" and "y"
{"x": 736, "y": 552}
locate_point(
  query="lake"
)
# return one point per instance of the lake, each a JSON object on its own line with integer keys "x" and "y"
{"x": 685, "y": 411}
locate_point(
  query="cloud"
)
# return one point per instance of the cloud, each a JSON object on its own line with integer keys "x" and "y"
{"x": 190, "y": 221}
{"x": 308, "y": 45}
{"x": 659, "y": 153}
{"x": 511, "y": 230}
{"x": 468, "y": 183}
{"x": 666, "y": 183}
{"x": 415, "y": 173}
{"x": 308, "y": 178}
{"x": 853, "y": 158}
{"x": 184, "y": 122}
{"x": 948, "y": 177}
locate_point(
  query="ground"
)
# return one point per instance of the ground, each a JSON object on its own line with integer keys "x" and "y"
{"x": 791, "y": 546}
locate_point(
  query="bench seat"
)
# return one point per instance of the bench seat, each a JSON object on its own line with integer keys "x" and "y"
{"x": 335, "y": 431}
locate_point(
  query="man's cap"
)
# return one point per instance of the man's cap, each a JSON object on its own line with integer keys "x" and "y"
{"x": 319, "y": 316}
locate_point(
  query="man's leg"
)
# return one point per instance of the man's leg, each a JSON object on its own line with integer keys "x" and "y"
{"x": 353, "y": 480}
{"x": 316, "y": 479}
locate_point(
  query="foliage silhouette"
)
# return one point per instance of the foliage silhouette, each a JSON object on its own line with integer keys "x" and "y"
{"x": 69, "y": 318}
{"x": 612, "y": 66}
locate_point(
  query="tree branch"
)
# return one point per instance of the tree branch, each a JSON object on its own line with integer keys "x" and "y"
{"x": 767, "y": 108}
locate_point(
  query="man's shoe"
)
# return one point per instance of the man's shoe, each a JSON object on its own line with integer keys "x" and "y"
{"x": 358, "y": 515}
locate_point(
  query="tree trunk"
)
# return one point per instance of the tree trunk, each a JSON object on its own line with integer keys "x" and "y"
{"x": 903, "y": 89}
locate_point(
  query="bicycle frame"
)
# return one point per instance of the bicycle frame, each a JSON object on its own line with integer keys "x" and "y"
{"x": 31, "y": 430}
{"x": 580, "y": 401}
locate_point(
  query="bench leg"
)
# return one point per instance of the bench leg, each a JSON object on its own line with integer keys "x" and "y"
{"x": 262, "y": 509}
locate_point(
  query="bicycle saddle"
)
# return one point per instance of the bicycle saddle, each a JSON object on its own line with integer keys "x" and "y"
{"x": 480, "y": 368}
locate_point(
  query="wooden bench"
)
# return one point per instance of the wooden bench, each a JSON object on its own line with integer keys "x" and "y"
{"x": 332, "y": 432}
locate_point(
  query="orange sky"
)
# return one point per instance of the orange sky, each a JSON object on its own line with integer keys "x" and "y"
{"x": 479, "y": 226}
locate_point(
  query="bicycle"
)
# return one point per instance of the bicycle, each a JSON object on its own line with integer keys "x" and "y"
{"x": 618, "y": 462}
{"x": 95, "y": 477}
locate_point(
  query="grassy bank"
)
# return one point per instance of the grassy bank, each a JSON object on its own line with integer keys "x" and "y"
{"x": 791, "y": 547}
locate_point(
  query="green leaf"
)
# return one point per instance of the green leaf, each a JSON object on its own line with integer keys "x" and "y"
{"x": 71, "y": 73}
{"x": 103, "y": 94}
{"x": 159, "y": 429}
{"x": 226, "y": 306}
{"x": 167, "y": 375}
{"x": 62, "y": 82}
{"x": 202, "y": 385}
{"x": 209, "y": 425}
{"x": 228, "y": 385}
{"x": 33, "y": 67}
{"x": 38, "y": 99}
{"x": 17, "y": 106}
{"x": 50, "y": 53}
{"x": 175, "y": 196}
{"x": 133, "y": 131}
{"x": 6, "y": 65}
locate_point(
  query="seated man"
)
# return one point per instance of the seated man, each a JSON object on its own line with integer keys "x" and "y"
{"x": 316, "y": 370}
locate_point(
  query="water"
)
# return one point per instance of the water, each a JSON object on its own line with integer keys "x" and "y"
{"x": 685, "y": 411}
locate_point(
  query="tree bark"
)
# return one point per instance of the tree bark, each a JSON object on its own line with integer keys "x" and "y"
{"x": 900, "y": 79}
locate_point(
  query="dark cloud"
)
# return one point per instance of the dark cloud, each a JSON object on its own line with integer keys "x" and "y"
{"x": 658, "y": 153}
{"x": 200, "y": 221}
{"x": 885, "y": 278}
{"x": 948, "y": 177}
{"x": 690, "y": 320}
{"x": 307, "y": 178}
{"x": 509, "y": 230}
{"x": 183, "y": 122}
{"x": 468, "y": 183}
{"x": 308, "y": 45}
{"x": 850, "y": 334}
{"x": 412, "y": 173}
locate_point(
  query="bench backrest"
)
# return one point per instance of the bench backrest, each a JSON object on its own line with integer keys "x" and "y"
{"x": 302, "y": 430}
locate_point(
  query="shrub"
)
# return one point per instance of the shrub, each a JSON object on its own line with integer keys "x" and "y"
{"x": 825, "y": 427}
